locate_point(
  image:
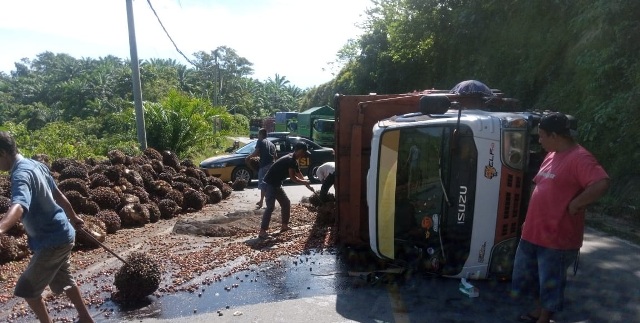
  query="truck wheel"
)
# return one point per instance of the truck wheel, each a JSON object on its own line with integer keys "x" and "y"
{"x": 312, "y": 174}
{"x": 241, "y": 172}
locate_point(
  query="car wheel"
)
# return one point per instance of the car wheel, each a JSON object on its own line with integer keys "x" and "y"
{"x": 312, "y": 174}
{"x": 241, "y": 172}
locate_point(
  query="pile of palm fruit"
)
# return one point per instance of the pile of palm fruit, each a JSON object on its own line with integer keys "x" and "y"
{"x": 122, "y": 191}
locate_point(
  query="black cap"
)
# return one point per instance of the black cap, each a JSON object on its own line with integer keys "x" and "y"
{"x": 301, "y": 146}
{"x": 556, "y": 122}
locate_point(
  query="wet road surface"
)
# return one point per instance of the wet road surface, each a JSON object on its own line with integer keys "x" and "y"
{"x": 319, "y": 288}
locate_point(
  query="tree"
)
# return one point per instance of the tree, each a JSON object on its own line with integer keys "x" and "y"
{"x": 180, "y": 123}
{"x": 218, "y": 74}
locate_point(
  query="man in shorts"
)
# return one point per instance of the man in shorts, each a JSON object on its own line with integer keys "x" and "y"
{"x": 569, "y": 179}
{"x": 267, "y": 152}
{"x": 285, "y": 166}
{"x": 49, "y": 221}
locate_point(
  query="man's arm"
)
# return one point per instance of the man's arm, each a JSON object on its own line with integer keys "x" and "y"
{"x": 297, "y": 177}
{"x": 13, "y": 216}
{"x": 255, "y": 153}
{"x": 75, "y": 220}
{"x": 590, "y": 194}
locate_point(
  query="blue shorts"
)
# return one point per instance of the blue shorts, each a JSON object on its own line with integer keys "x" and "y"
{"x": 48, "y": 267}
{"x": 542, "y": 273}
{"x": 263, "y": 170}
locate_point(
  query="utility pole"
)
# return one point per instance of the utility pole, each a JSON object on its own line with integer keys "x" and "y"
{"x": 135, "y": 79}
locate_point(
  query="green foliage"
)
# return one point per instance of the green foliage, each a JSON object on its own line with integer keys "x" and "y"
{"x": 180, "y": 123}
{"x": 578, "y": 57}
{"x": 69, "y": 140}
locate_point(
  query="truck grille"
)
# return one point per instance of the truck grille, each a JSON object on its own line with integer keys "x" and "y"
{"x": 509, "y": 208}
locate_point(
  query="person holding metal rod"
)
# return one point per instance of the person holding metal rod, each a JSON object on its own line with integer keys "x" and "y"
{"x": 285, "y": 167}
{"x": 50, "y": 223}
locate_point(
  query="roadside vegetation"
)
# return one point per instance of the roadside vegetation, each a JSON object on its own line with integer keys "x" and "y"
{"x": 579, "y": 57}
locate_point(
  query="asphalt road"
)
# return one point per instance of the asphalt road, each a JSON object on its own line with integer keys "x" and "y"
{"x": 605, "y": 289}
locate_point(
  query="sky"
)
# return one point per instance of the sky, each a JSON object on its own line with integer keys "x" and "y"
{"x": 292, "y": 38}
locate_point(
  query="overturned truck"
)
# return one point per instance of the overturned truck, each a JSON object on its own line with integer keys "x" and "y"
{"x": 439, "y": 179}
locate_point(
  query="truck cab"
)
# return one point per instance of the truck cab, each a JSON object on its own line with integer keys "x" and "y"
{"x": 323, "y": 132}
{"x": 447, "y": 186}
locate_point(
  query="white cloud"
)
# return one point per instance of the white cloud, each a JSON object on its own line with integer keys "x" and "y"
{"x": 295, "y": 39}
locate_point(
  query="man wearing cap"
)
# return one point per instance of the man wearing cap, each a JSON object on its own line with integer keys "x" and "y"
{"x": 569, "y": 179}
{"x": 285, "y": 167}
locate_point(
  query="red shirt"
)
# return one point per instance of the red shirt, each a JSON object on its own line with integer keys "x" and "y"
{"x": 562, "y": 176}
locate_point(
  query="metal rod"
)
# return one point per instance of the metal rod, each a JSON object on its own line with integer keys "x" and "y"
{"x": 103, "y": 246}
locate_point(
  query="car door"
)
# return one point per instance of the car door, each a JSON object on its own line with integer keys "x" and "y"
{"x": 283, "y": 146}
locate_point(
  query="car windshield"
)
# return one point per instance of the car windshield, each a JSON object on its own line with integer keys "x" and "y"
{"x": 248, "y": 148}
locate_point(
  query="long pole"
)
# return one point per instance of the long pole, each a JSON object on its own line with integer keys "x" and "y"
{"x": 137, "y": 88}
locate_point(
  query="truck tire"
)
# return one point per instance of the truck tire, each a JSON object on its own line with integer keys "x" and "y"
{"x": 242, "y": 172}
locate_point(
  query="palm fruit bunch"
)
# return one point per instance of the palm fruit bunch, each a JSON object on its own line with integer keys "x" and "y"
{"x": 254, "y": 164}
{"x": 12, "y": 248}
{"x": 213, "y": 193}
{"x": 121, "y": 191}
{"x": 239, "y": 184}
{"x": 138, "y": 278}
{"x": 94, "y": 227}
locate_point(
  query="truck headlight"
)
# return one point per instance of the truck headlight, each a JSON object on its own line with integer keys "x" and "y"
{"x": 502, "y": 255}
{"x": 513, "y": 148}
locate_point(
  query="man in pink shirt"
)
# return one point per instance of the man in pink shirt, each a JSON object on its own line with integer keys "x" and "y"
{"x": 569, "y": 179}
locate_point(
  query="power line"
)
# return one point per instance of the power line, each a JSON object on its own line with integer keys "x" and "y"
{"x": 167, "y": 33}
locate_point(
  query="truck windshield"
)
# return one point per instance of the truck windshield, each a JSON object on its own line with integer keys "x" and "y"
{"x": 324, "y": 126}
{"x": 418, "y": 168}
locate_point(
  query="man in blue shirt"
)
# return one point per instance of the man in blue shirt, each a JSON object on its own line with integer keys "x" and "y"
{"x": 267, "y": 152}
{"x": 49, "y": 221}
{"x": 285, "y": 166}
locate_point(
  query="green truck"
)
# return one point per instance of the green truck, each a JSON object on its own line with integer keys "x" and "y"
{"x": 286, "y": 122}
{"x": 317, "y": 124}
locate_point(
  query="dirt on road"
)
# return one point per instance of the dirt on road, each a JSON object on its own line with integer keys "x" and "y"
{"x": 192, "y": 249}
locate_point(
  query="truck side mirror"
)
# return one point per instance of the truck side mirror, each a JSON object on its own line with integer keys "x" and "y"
{"x": 434, "y": 104}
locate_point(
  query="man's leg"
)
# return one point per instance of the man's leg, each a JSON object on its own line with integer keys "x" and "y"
{"x": 270, "y": 198}
{"x": 261, "y": 185}
{"x": 326, "y": 185}
{"x": 524, "y": 280}
{"x": 63, "y": 282}
{"x": 73, "y": 293}
{"x": 553, "y": 266}
{"x": 285, "y": 207}
{"x": 43, "y": 269}
{"x": 38, "y": 307}
{"x": 259, "y": 204}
